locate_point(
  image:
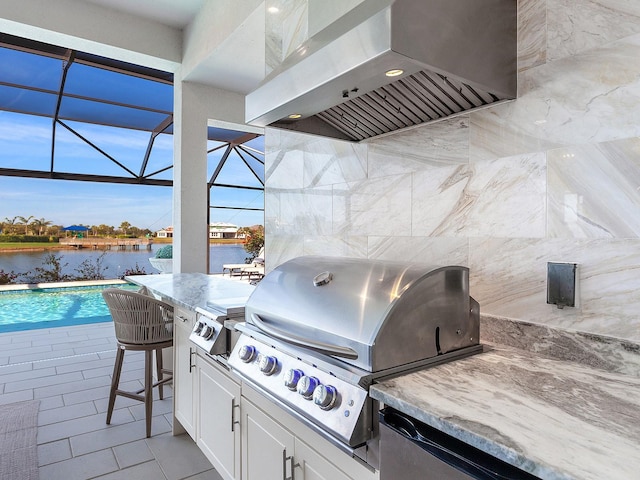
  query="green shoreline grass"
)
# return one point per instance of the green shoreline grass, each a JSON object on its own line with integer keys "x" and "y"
{"x": 10, "y": 246}
{"x": 38, "y": 246}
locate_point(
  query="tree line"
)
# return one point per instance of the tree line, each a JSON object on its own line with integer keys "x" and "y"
{"x": 42, "y": 227}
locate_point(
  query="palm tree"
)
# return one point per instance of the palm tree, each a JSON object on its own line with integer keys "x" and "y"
{"x": 41, "y": 224}
{"x": 25, "y": 222}
{"x": 11, "y": 223}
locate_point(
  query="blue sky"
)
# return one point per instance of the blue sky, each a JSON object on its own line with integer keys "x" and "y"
{"x": 25, "y": 142}
{"x": 68, "y": 202}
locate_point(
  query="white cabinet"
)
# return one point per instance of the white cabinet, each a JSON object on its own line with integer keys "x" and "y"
{"x": 184, "y": 384}
{"x": 242, "y": 433}
{"x": 274, "y": 451}
{"x": 267, "y": 447}
{"x": 313, "y": 466}
{"x": 218, "y": 432}
{"x": 206, "y": 400}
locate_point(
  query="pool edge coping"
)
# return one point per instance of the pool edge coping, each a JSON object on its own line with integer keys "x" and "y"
{"x": 78, "y": 283}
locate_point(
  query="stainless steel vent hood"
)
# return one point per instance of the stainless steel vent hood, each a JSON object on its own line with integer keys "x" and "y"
{"x": 455, "y": 55}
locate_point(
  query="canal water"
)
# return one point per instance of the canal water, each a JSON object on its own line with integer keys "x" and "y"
{"x": 115, "y": 261}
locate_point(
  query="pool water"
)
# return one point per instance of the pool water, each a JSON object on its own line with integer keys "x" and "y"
{"x": 54, "y": 307}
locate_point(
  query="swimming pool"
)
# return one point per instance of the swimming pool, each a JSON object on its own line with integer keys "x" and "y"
{"x": 54, "y": 307}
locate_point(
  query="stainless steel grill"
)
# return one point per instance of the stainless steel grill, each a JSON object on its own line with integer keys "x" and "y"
{"x": 320, "y": 330}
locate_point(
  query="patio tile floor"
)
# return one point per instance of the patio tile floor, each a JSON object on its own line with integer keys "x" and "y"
{"x": 69, "y": 370}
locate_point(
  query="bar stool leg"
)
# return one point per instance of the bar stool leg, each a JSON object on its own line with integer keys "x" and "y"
{"x": 160, "y": 375}
{"x": 148, "y": 388}
{"x": 115, "y": 381}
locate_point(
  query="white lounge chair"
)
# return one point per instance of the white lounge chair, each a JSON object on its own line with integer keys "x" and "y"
{"x": 234, "y": 268}
{"x": 253, "y": 270}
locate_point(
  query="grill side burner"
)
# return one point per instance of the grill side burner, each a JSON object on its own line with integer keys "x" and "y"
{"x": 214, "y": 330}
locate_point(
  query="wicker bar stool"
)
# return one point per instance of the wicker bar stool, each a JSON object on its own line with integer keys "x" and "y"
{"x": 141, "y": 323}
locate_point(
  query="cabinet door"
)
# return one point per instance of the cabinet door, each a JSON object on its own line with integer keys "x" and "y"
{"x": 218, "y": 430}
{"x": 183, "y": 381}
{"x": 313, "y": 466}
{"x": 267, "y": 448}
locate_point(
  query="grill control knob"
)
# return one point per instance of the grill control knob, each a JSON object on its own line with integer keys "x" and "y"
{"x": 207, "y": 332}
{"x": 247, "y": 353}
{"x": 267, "y": 364}
{"x": 325, "y": 396}
{"x": 199, "y": 328}
{"x": 307, "y": 385}
{"x": 292, "y": 378}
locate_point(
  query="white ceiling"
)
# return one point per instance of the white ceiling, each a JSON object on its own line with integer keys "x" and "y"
{"x": 236, "y": 65}
{"x": 174, "y": 13}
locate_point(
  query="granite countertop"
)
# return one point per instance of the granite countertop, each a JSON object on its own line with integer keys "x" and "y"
{"x": 193, "y": 290}
{"x": 556, "y": 419}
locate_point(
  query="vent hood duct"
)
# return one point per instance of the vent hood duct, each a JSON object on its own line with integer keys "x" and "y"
{"x": 456, "y": 55}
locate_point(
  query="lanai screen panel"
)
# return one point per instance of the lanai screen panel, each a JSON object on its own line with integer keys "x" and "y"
{"x": 73, "y": 89}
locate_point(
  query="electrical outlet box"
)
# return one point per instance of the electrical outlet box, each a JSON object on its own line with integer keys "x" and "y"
{"x": 561, "y": 284}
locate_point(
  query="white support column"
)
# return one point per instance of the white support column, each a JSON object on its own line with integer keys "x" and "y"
{"x": 195, "y": 106}
{"x": 190, "y": 238}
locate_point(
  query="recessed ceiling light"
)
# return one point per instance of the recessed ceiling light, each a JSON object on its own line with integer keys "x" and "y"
{"x": 273, "y": 9}
{"x": 394, "y": 73}
{"x": 293, "y": 116}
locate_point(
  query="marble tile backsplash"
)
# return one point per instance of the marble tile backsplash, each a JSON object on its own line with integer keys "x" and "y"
{"x": 602, "y": 352}
{"x": 508, "y": 278}
{"x": 593, "y": 189}
{"x": 532, "y": 33}
{"x": 553, "y": 176}
{"x": 576, "y": 100}
{"x": 445, "y": 143}
{"x": 579, "y": 25}
{"x": 371, "y": 207}
{"x": 503, "y": 198}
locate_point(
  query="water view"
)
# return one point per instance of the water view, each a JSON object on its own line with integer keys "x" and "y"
{"x": 115, "y": 261}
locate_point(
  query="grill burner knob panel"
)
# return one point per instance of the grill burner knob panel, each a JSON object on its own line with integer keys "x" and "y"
{"x": 267, "y": 364}
{"x": 325, "y": 396}
{"x": 207, "y": 332}
{"x": 307, "y": 385}
{"x": 292, "y": 378}
{"x": 199, "y": 327}
{"x": 341, "y": 421}
{"x": 247, "y": 353}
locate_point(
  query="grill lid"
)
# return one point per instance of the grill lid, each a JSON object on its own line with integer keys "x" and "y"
{"x": 373, "y": 315}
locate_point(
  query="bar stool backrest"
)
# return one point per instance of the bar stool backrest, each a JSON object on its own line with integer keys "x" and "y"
{"x": 139, "y": 319}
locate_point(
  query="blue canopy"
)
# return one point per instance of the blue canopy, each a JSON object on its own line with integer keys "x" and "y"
{"x": 76, "y": 228}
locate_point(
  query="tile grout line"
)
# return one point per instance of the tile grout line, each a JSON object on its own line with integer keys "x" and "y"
{"x": 56, "y": 358}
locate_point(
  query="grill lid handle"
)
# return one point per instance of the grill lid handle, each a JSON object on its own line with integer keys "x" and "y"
{"x": 322, "y": 278}
{"x": 326, "y": 348}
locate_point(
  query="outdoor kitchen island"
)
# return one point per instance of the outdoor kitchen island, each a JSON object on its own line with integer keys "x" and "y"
{"x": 242, "y": 433}
{"x": 554, "y": 418}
